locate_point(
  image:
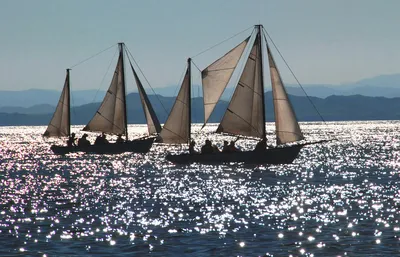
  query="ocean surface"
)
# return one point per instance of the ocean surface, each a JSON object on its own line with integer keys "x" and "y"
{"x": 340, "y": 198}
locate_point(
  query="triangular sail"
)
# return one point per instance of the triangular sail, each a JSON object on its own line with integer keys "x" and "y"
{"x": 153, "y": 124}
{"x": 111, "y": 116}
{"x": 59, "y": 125}
{"x": 244, "y": 115}
{"x": 176, "y": 129}
{"x": 287, "y": 127}
{"x": 216, "y": 76}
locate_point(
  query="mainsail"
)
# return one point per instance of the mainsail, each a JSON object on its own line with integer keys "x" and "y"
{"x": 153, "y": 124}
{"x": 244, "y": 115}
{"x": 287, "y": 127}
{"x": 216, "y": 76}
{"x": 59, "y": 125}
{"x": 111, "y": 116}
{"x": 176, "y": 129}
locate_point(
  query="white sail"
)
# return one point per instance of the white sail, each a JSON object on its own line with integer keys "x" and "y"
{"x": 59, "y": 125}
{"x": 153, "y": 124}
{"x": 287, "y": 127}
{"x": 110, "y": 117}
{"x": 176, "y": 129}
{"x": 244, "y": 115}
{"x": 216, "y": 76}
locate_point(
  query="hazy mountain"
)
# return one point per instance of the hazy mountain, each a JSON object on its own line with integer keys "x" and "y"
{"x": 36, "y": 109}
{"x": 321, "y": 91}
{"x": 390, "y": 80}
{"x": 383, "y": 85}
{"x": 332, "y": 108}
{"x": 31, "y": 97}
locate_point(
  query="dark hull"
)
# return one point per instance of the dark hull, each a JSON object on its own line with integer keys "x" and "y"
{"x": 279, "y": 155}
{"x": 135, "y": 146}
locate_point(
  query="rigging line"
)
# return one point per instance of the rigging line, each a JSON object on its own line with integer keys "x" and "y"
{"x": 208, "y": 49}
{"x": 287, "y": 65}
{"x": 196, "y": 113}
{"x": 87, "y": 59}
{"x": 181, "y": 80}
{"x": 198, "y": 131}
{"x": 137, "y": 65}
{"x": 196, "y": 66}
{"x": 104, "y": 77}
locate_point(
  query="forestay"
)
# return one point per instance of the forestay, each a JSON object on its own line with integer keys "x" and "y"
{"x": 110, "y": 117}
{"x": 216, "y": 76}
{"x": 153, "y": 124}
{"x": 59, "y": 125}
{"x": 287, "y": 127}
{"x": 244, "y": 115}
{"x": 176, "y": 129}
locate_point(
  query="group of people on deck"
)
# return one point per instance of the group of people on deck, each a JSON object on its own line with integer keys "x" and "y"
{"x": 208, "y": 147}
{"x": 84, "y": 142}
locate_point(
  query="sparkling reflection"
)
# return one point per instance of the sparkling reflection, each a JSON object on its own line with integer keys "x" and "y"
{"x": 340, "y": 198}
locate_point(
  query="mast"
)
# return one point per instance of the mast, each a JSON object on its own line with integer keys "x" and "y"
{"x": 190, "y": 99}
{"x": 69, "y": 104}
{"x": 121, "y": 51}
{"x": 259, "y": 27}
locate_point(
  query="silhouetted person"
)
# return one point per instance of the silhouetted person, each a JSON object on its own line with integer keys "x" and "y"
{"x": 105, "y": 141}
{"x": 101, "y": 139}
{"x": 261, "y": 146}
{"x": 83, "y": 142}
{"x": 207, "y": 147}
{"x": 119, "y": 139}
{"x": 71, "y": 140}
{"x": 226, "y": 148}
{"x": 191, "y": 147}
{"x": 215, "y": 149}
{"x": 232, "y": 147}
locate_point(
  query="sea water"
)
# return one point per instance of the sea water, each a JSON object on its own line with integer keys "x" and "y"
{"x": 340, "y": 198}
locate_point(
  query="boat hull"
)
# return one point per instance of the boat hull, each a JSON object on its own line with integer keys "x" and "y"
{"x": 279, "y": 155}
{"x": 135, "y": 146}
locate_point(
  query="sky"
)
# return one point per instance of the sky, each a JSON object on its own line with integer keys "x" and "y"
{"x": 323, "y": 41}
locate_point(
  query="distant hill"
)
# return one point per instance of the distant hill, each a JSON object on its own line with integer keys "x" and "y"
{"x": 383, "y": 85}
{"x": 321, "y": 91}
{"x": 36, "y": 109}
{"x": 31, "y": 97}
{"x": 332, "y": 108}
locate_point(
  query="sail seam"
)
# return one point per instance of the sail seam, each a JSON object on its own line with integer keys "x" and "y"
{"x": 208, "y": 71}
{"x": 174, "y": 133}
{"x": 244, "y": 85}
{"x": 251, "y": 126}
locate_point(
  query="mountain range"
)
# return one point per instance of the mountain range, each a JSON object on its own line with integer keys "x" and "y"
{"x": 383, "y": 85}
{"x": 376, "y": 98}
{"x": 332, "y": 108}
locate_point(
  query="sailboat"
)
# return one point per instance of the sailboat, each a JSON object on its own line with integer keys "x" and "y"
{"x": 245, "y": 115}
{"x": 110, "y": 118}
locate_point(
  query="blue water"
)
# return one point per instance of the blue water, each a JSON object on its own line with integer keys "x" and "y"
{"x": 337, "y": 199}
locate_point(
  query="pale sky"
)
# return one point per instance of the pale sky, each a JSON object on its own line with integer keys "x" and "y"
{"x": 324, "y": 41}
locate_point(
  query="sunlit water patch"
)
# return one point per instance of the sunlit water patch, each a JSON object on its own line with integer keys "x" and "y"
{"x": 339, "y": 198}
